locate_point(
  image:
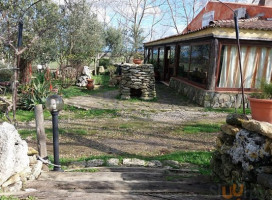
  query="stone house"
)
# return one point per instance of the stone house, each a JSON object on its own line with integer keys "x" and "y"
{"x": 202, "y": 62}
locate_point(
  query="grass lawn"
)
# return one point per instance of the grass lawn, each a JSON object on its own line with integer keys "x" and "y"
{"x": 228, "y": 110}
{"x": 102, "y": 80}
{"x": 201, "y": 159}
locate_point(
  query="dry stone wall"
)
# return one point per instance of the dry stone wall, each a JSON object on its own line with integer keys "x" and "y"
{"x": 137, "y": 78}
{"x": 18, "y": 163}
{"x": 208, "y": 98}
{"x": 244, "y": 155}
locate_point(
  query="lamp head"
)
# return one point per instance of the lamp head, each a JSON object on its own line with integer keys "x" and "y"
{"x": 54, "y": 103}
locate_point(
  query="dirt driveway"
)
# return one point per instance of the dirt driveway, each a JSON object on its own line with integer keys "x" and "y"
{"x": 135, "y": 128}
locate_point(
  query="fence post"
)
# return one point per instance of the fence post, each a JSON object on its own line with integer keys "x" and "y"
{"x": 41, "y": 137}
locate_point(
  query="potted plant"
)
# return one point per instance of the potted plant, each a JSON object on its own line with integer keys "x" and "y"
{"x": 261, "y": 103}
{"x": 138, "y": 58}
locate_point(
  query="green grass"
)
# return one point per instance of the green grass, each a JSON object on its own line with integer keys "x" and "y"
{"x": 48, "y": 131}
{"x": 91, "y": 170}
{"x": 74, "y": 131}
{"x": 26, "y": 115}
{"x": 77, "y": 91}
{"x": 196, "y": 158}
{"x": 15, "y": 198}
{"x": 201, "y": 128}
{"x": 79, "y": 113}
{"x": 200, "y": 159}
{"x": 228, "y": 110}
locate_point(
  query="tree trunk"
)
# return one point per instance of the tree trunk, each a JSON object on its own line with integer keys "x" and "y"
{"x": 25, "y": 68}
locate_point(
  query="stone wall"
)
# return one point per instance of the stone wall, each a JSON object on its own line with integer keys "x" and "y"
{"x": 18, "y": 163}
{"x": 244, "y": 155}
{"x": 208, "y": 98}
{"x": 137, "y": 78}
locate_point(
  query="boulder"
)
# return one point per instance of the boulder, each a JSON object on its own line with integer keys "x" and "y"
{"x": 31, "y": 151}
{"x": 133, "y": 162}
{"x": 263, "y": 128}
{"x": 229, "y": 129}
{"x": 13, "y": 152}
{"x": 95, "y": 163}
{"x": 113, "y": 162}
{"x": 265, "y": 180}
{"x": 154, "y": 163}
{"x": 248, "y": 148}
{"x": 236, "y": 119}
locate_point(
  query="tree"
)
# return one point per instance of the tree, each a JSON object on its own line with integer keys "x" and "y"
{"x": 183, "y": 12}
{"x": 132, "y": 16}
{"x": 39, "y": 21}
{"x": 38, "y": 18}
{"x": 81, "y": 35}
{"x": 114, "y": 41}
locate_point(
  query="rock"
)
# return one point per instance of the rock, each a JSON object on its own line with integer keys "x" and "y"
{"x": 171, "y": 163}
{"x": 25, "y": 174}
{"x": 226, "y": 139}
{"x": 154, "y": 163}
{"x": 263, "y": 128}
{"x": 265, "y": 180}
{"x": 236, "y": 119}
{"x": 78, "y": 164}
{"x": 113, "y": 162}
{"x": 32, "y": 160}
{"x": 218, "y": 143}
{"x": 16, "y": 187}
{"x": 248, "y": 148}
{"x": 13, "y": 179}
{"x": 13, "y": 152}
{"x": 37, "y": 169}
{"x": 264, "y": 169}
{"x": 133, "y": 162}
{"x": 229, "y": 129}
{"x": 31, "y": 151}
{"x": 95, "y": 163}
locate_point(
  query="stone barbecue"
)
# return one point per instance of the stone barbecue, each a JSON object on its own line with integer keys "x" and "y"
{"x": 137, "y": 81}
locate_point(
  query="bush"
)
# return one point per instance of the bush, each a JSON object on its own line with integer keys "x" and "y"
{"x": 104, "y": 62}
{"x": 5, "y": 74}
{"x": 34, "y": 93}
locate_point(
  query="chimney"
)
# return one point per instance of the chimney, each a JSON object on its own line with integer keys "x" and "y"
{"x": 265, "y": 3}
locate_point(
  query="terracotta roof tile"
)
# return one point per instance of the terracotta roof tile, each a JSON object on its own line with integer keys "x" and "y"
{"x": 252, "y": 23}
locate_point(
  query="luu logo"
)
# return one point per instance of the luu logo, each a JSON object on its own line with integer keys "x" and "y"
{"x": 233, "y": 192}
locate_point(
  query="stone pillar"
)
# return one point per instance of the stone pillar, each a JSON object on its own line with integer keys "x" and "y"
{"x": 138, "y": 77}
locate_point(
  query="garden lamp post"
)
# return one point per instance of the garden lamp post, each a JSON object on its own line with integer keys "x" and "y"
{"x": 55, "y": 104}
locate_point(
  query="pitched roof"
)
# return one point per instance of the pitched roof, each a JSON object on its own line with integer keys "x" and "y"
{"x": 247, "y": 24}
{"x": 222, "y": 11}
{"x": 253, "y": 24}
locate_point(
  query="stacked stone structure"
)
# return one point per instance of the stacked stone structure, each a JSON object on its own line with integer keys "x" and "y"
{"x": 244, "y": 156}
{"x": 137, "y": 80}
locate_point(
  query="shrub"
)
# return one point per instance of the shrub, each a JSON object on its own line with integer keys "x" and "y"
{"x": 34, "y": 93}
{"x": 5, "y": 74}
{"x": 112, "y": 70}
{"x": 104, "y": 62}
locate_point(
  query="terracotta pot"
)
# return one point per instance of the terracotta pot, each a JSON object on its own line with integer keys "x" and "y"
{"x": 90, "y": 85}
{"x": 261, "y": 109}
{"x": 137, "y": 61}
